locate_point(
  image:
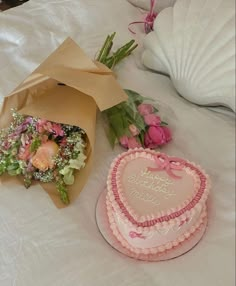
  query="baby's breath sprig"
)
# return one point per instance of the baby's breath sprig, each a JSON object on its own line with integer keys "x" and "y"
{"x": 17, "y": 117}
{"x": 44, "y": 177}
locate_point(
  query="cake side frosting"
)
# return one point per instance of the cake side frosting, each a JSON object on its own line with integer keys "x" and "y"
{"x": 153, "y": 232}
{"x": 141, "y": 242}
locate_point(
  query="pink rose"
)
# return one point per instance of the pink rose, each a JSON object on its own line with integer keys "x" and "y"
{"x": 124, "y": 141}
{"x": 167, "y": 133}
{"x": 154, "y": 137}
{"x": 145, "y": 109}
{"x": 133, "y": 129}
{"x": 133, "y": 143}
{"x": 152, "y": 120}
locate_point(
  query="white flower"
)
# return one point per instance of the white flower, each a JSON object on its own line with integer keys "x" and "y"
{"x": 78, "y": 163}
{"x": 68, "y": 178}
{"x": 68, "y": 170}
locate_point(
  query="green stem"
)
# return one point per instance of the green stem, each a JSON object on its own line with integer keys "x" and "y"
{"x": 61, "y": 188}
{"x": 102, "y": 49}
{"x": 125, "y": 47}
{"x": 106, "y": 52}
{"x": 111, "y": 60}
{"x": 123, "y": 52}
{"x": 106, "y": 48}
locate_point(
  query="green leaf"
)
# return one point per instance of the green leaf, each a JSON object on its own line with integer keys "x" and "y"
{"x": 35, "y": 144}
{"x": 12, "y": 167}
{"x": 134, "y": 96}
{"x": 155, "y": 109}
{"x": 118, "y": 123}
{"x": 2, "y": 169}
{"x": 141, "y": 136}
{"x": 12, "y": 172}
{"x": 139, "y": 122}
{"x": 138, "y": 98}
{"x": 27, "y": 180}
{"x": 163, "y": 123}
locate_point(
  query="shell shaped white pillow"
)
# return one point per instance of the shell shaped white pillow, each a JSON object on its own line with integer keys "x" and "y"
{"x": 159, "y": 5}
{"x": 194, "y": 43}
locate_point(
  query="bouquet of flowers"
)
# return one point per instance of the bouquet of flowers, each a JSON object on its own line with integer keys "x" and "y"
{"x": 42, "y": 150}
{"x": 132, "y": 123}
{"x": 136, "y": 124}
{"x": 52, "y": 134}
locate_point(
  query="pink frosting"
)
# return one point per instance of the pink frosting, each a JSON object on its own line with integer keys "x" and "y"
{"x": 144, "y": 234}
{"x": 162, "y": 217}
{"x": 158, "y": 250}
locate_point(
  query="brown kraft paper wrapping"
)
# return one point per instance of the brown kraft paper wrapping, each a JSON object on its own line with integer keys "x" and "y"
{"x": 88, "y": 85}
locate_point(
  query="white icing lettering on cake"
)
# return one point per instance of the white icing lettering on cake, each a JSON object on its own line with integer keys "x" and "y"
{"x": 145, "y": 197}
{"x": 151, "y": 182}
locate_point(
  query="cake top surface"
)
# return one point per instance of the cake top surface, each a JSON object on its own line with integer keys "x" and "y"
{"x": 151, "y": 186}
{"x": 151, "y": 191}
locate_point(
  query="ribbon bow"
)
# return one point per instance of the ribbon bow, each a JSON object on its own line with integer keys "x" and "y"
{"x": 134, "y": 234}
{"x": 148, "y": 21}
{"x": 168, "y": 164}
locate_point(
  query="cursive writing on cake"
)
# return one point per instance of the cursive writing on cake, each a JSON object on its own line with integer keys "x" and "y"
{"x": 152, "y": 182}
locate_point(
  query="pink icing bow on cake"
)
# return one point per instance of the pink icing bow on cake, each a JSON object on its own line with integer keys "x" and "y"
{"x": 134, "y": 234}
{"x": 168, "y": 164}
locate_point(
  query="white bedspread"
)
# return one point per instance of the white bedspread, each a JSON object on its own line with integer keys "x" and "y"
{"x": 43, "y": 246}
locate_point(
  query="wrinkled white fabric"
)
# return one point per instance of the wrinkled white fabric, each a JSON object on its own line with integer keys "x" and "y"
{"x": 159, "y": 4}
{"x": 43, "y": 246}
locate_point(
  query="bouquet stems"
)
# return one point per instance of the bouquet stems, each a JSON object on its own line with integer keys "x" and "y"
{"x": 112, "y": 60}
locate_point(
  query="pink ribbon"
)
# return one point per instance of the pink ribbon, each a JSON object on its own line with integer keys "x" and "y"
{"x": 168, "y": 164}
{"x": 148, "y": 21}
{"x": 134, "y": 234}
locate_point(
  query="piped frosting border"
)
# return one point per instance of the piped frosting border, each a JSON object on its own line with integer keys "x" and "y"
{"x": 176, "y": 215}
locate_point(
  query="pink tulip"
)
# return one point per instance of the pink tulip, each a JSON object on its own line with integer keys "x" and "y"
{"x": 124, "y": 141}
{"x": 148, "y": 143}
{"x": 133, "y": 129}
{"x": 152, "y": 120}
{"x": 145, "y": 109}
{"x": 154, "y": 137}
{"x": 133, "y": 143}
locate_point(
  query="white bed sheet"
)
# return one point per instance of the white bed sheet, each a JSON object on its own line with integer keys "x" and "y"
{"x": 43, "y": 246}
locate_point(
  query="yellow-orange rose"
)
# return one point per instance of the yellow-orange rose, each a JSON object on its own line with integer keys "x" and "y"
{"x": 44, "y": 157}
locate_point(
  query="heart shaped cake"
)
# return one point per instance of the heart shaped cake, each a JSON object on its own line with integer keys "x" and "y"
{"x": 155, "y": 203}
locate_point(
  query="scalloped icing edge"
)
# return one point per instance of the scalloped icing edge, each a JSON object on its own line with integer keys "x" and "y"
{"x": 177, "y": 214}
{"x": 161, "y": 249}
